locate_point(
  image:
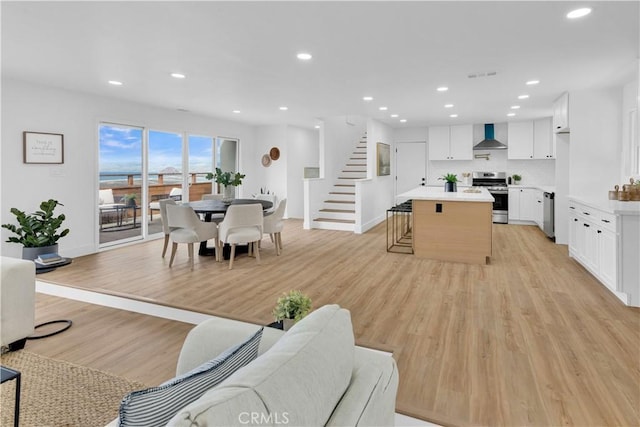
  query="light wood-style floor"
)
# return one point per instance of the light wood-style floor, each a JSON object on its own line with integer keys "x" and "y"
{"x": 530, "y": 339}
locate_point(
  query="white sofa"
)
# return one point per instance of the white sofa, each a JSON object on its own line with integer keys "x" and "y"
{"x": 17, "y": 301}
{"x": 312, "y": 375}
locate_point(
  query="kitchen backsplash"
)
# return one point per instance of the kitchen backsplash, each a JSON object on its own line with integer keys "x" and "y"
{"x": 533, "y": 172}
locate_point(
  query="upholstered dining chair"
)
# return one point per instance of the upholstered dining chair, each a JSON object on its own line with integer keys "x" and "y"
{"x": 273, "y": 225}
{"x": 241, "y": 224}
{"x": 187, "y": 228}
{"x": 162, "y": 205}
{"x": 214, "y": 217}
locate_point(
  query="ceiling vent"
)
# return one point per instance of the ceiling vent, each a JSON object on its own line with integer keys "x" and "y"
{"x": 486, "y": 74}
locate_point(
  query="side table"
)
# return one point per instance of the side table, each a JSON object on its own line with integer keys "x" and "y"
{"x": 9, "y": 374}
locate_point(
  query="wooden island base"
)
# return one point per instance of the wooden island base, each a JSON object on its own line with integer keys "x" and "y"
{"x": 458, "y": 231}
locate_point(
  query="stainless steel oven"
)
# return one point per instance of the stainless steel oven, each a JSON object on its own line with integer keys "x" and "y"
{"x": 496, "y": 184}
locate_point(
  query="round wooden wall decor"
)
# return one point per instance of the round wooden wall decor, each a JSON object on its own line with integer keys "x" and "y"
{"x": 274, "y": 153}
{"x": 266, "y": 161}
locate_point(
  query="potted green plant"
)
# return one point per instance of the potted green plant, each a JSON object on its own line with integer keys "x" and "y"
{"x": 228, "y": 180}
{"x": 450, "y": 181}
{"x": 516, "y": 178}
{"x": 130, "y": 199}
{"x": 291, "y": 307}
{"x": 37, "y": 232}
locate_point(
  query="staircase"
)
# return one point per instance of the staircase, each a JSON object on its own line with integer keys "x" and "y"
{"x": 339, "y": 209}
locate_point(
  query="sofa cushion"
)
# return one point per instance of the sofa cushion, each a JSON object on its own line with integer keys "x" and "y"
{"x": 155, "y": 406}
{"x": 300, "y": 380}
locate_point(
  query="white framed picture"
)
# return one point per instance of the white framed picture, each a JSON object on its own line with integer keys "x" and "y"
{"x": 40, "y": 147}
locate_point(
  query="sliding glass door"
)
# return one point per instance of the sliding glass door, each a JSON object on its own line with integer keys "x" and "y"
{"x": 120, "y": 182}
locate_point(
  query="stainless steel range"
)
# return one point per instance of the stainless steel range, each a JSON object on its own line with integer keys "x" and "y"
{"x": 496, "y": 184}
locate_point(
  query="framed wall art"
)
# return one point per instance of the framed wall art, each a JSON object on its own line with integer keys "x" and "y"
{"x": 40, "y": 147}
{"x": 383, "y": 159}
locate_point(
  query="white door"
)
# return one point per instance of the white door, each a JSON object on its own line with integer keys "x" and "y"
{"x": 411, "y": 165}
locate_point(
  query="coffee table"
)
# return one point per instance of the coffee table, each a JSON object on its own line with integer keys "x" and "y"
{"x": 8, "y": 374}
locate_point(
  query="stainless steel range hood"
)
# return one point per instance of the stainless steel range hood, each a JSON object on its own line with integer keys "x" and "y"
{"x": 489, "y": 142}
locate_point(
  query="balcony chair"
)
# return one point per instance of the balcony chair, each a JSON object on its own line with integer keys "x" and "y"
{"x": 162, "y": 204}
{"x": 187, "y": 228}
{"x": 175, "y": 194}
{"x": 273, "y": 225}
{"x": 242, "y": 224}
{"x": 107, "y": 205}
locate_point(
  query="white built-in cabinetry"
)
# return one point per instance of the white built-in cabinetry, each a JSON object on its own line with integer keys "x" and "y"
{"x": 526, "y": 205}
{"x": 531, "y": 139}
{"x": 451, "y": 142}
{"x": 561, "y": 114}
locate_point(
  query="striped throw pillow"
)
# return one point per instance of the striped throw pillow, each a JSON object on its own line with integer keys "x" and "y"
{"x": 155, "y": 406}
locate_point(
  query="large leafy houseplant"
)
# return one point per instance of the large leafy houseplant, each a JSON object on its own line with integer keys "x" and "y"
{"x": 38, "y": 229}
{"x": 226, "y": 178}
{"x": 292, "y": 305}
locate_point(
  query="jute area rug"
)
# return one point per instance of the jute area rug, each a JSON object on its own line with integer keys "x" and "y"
{"x": 57, "y": 393}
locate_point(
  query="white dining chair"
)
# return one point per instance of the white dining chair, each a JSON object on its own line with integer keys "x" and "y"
{"x": 273, "y": 225}
{"x": 187, "y": 228}
{"x": 214, "y": 217}
{"x": 241, "y": 224}
{"x": 162, "y": 205}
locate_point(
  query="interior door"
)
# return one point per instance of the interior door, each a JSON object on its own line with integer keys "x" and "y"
{"x": 411, "y": 165}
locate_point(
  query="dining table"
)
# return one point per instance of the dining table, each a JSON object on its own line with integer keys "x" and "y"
{"x": 210, "y": 207}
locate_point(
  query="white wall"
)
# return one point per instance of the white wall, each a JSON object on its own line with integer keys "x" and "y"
{"x": 596, "y": 144}
{"x": 302, "y": 151}
{"x": 30, "y": 107}
{"x": 274, "y": 177}
{"x": 410, "y": 134}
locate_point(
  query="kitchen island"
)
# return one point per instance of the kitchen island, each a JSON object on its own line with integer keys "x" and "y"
{"x": 451, "y": 226}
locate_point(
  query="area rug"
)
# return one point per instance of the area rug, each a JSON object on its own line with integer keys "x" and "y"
{"x": 56, "y": 393}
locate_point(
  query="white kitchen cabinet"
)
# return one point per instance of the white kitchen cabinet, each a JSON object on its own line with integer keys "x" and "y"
{"x": 544, "y": 144}
{"x": 561, "y": 114}
{"x": 607, "y": 257}
{"x": 451, "y": 142}
{"x": 520, "y": 140}
{"x": 523, "y": 205}
{"x": 538, "y": 207}
{"x": 531, "y": 140}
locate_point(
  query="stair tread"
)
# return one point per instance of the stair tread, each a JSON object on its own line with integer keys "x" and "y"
{"x": 343, "y": 221}
{"x": 342, "y": 192}
{"x": 340, "y": 201}
{"x": 356, "y": 171}
{"x": 338, "y": 210}
{"x": 345, "y": 185}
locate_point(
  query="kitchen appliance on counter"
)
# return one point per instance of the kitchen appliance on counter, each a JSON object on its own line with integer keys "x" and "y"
{"x": 548, "y": 222}
{"x": 496, "y": 184}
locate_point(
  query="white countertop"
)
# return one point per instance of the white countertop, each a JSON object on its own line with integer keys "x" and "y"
{"x": 545, "y": 188}
{"x": 438, "y": 193}
{"x": 611, "y": 206}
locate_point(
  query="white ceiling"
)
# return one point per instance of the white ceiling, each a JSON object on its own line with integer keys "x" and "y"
{"x": 242, "y": 55}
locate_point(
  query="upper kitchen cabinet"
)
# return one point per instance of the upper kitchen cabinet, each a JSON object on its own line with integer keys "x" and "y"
{"x": 561, "y": 114}
{"x": 531, "y": 140}
{"x": 451, "y": 142}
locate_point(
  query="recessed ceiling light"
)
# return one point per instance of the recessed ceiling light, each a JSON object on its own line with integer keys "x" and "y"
{"x": 515, "y": 107}
{"x": 394, "y": 115}
{"x": 115, "y": 83}
{"x": 579, "y": 13}
{"x": 403, "y": 120}
{"x": 453, "y": 115}
{"x": 367, "y": 98}
{"x": 442, "y": 89}
{"x": 236, "y": 111}
{"x": 448, "y": 105}
{"x": 511, "y": 114}
{"x": 383, "y": 108}
{"x": 523, "y": 96}
{"x": 533, "y": 82}
{"x": 303, "y": 56}
{"x": 178, "y": 75}
{"x": 317, "y": 126}
{"x": 283, "y": 108}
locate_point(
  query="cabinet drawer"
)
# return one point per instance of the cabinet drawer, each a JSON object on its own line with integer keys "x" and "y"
{"x": 606, "y": 220}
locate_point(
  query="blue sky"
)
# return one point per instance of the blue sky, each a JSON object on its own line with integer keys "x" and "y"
{"x": 121, "y": 150}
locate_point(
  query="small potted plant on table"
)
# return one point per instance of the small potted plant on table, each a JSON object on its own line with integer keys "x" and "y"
{"x": 291, "y": 308}
{"x": 37, "y": 232}
{"x": 450, "y": 181}
{"x": 516, "y": 178}
{"x": 229, "y": 182}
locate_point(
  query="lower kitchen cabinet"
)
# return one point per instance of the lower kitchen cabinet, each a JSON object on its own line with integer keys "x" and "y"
{"x": 606, "y": 244}
{"x": 526, "y": 205}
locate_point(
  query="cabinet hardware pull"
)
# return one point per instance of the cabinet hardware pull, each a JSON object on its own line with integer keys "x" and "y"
{"x": 606, "y": 220}
{"x": 586, "y": 225}
{"x": 575, "y": 219}
{"x": 571, "y": 207}
{"x": 586, "y": 213}
{"x": 599, "y": 231}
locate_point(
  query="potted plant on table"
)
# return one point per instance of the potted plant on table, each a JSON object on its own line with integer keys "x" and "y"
{"x": 291, "y": 307}
{"x": 450, "y": 185}
{"x": 37, "y": 232}
{"x": 516, "y": 178}
{"x": 130, "y": 199}
{"x": 229, "y": 182}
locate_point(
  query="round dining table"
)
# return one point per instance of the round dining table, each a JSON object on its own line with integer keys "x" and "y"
{"x": 210, "y": 207}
